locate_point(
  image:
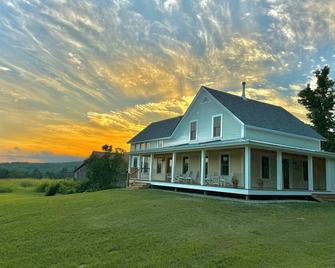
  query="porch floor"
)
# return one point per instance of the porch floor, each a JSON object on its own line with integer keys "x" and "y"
{"x": 239, "y": 191}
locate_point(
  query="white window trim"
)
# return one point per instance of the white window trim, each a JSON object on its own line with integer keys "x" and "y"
{"x": 133, "y": 161}
{"x": 229, "y": 163}
{"x": 221, "y": 130}
{"x": 260, "y": 166}
{"x": 147, "y": 145}
{"x": 196, "y": 131}
{"x": 159, "y": 142}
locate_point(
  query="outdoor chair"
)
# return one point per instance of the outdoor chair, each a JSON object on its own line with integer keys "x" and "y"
{"x": 188, "y": 178}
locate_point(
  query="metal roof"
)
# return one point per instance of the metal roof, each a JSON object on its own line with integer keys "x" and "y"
{"x": 250, "y": 112}
{"x": 263, "y": 115}
{"x": 157, "y": 130}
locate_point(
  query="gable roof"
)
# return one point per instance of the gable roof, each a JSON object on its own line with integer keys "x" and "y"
{"x": 263, "y": 115}
{"x": 157, "y": 130}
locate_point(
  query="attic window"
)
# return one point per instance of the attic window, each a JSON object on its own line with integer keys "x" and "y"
{"x": 205, "y": 100}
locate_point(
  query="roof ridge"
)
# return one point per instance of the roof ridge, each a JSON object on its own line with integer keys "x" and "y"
{"x": 248, "y": 99}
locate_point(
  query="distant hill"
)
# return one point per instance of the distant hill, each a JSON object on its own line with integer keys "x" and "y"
{"x": 43, "y": 167}
{"x": 23, "y": 169}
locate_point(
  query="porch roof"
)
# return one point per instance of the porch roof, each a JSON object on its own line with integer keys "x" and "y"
{"x": 219, "y": 144}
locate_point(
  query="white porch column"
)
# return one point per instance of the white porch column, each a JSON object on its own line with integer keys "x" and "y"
{"x": 202, "y": 167}
{"x": 130, "y": 158}
{"x": 139, "y": 166}
{"x": 328, "y": 175}
{"x": 279, "y": 171}
{"x": 151, "y": 164}
{"x": 310, "y": 173}
{"x": 247, "y": 167}
{"x": 173, "y": 168}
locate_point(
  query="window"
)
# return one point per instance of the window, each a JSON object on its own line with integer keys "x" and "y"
{"x": 186, "y": 162}
{"x": 225, "y": 164}
{"x": 135, "y": 162}
{"x": 305, "y": 170}
{"x": 132, "y": 147}
{"x": 265, "y": 168}
{"x": 145, "y": 165}
{"x": 142, "y": 146}
{"x": 217, "y": 126}
{"x": 137, "y": 146}
{"x": 160, "y": 144}
{"x": 193, "y": 130}
{"x": 159, "y": 166}
{"x": 147, "y": 145}
{"x": 169, "y": 167}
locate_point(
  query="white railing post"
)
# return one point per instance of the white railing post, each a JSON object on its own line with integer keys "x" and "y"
{"x": 151, "y": 166}
{"x": 202, "y": 167}
{"x": 130, "y": 158}
{"x": 139, "y": 165}
{"x": 247, "y": 167}
{"x": 279, "y": 171}
{"x": 173, "y": 168}
{"x": 310, "y": 173}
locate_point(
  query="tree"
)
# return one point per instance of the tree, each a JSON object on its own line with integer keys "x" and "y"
{"x": 4, "y": 173}
{"x": 119, "y": 150}
{"x": 107, "y": 148}
{"x": 106, "y": 172}
{"x": 36, "y": 174}
{"x": 320, "y": 104}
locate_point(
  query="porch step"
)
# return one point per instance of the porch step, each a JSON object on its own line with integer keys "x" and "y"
{"x": 138, "y": 185}
{"x": 324, "y": 197}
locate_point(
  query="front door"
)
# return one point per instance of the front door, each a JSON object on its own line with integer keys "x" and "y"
{"x": 286, "y": 173}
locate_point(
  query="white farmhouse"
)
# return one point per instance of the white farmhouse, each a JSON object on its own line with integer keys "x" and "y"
{"x": 231, "y": 144}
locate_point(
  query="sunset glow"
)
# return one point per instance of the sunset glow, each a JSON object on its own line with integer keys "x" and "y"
{"x": 75, "y": 75}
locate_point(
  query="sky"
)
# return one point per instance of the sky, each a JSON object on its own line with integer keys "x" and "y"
{"x": 75, "y": 75}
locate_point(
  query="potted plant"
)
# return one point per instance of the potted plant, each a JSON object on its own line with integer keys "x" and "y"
{"x": 260, "y": 183}
{"x": 235, "y": 182}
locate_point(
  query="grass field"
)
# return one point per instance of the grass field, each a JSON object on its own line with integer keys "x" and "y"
{"x": 152, "y": 228}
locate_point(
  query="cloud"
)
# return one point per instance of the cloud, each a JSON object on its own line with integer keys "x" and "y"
{"x": 134, "y": 119}
{"x": 76, "y": 74}
{"x": 5, "y": 69}
{"x": 18, "y": 155}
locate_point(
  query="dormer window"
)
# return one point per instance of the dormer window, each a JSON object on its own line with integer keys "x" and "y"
{"x": 217, "y": 126}
{"x": 193, "y": 130}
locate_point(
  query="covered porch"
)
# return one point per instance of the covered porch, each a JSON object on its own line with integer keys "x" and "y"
{"x": 245, "y": 169}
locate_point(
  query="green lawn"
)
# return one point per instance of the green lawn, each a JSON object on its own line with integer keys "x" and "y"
{"x": 153, "y": 228}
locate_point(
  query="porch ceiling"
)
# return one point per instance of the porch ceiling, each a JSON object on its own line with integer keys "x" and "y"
{"x": 237, "y": 143}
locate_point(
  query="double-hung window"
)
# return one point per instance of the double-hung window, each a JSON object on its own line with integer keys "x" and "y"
{"x": 225, "y": 164}
{"x": 265, "y": 169}
{"x": 217, "y": 121}
{"x": 186, "y": 162}
{"x": 135, "y": 162}
{"x": 159, "y": 166}
{"x": 193, "y": 130}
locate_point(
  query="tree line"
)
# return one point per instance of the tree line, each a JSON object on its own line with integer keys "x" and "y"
{"x": 35, "y": 173}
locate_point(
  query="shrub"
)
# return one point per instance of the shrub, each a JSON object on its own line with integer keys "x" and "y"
{"x": 52, "y": 189}
{"x": 4, "y": 189}
{"x": 26, "y": 184}
{"x": 69, "y": 187}
{"x": 41, "y": 188}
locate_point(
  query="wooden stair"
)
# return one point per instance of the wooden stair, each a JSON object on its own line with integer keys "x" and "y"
{"x": 134, "y": 184}
{"x": 324, "y": 197}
